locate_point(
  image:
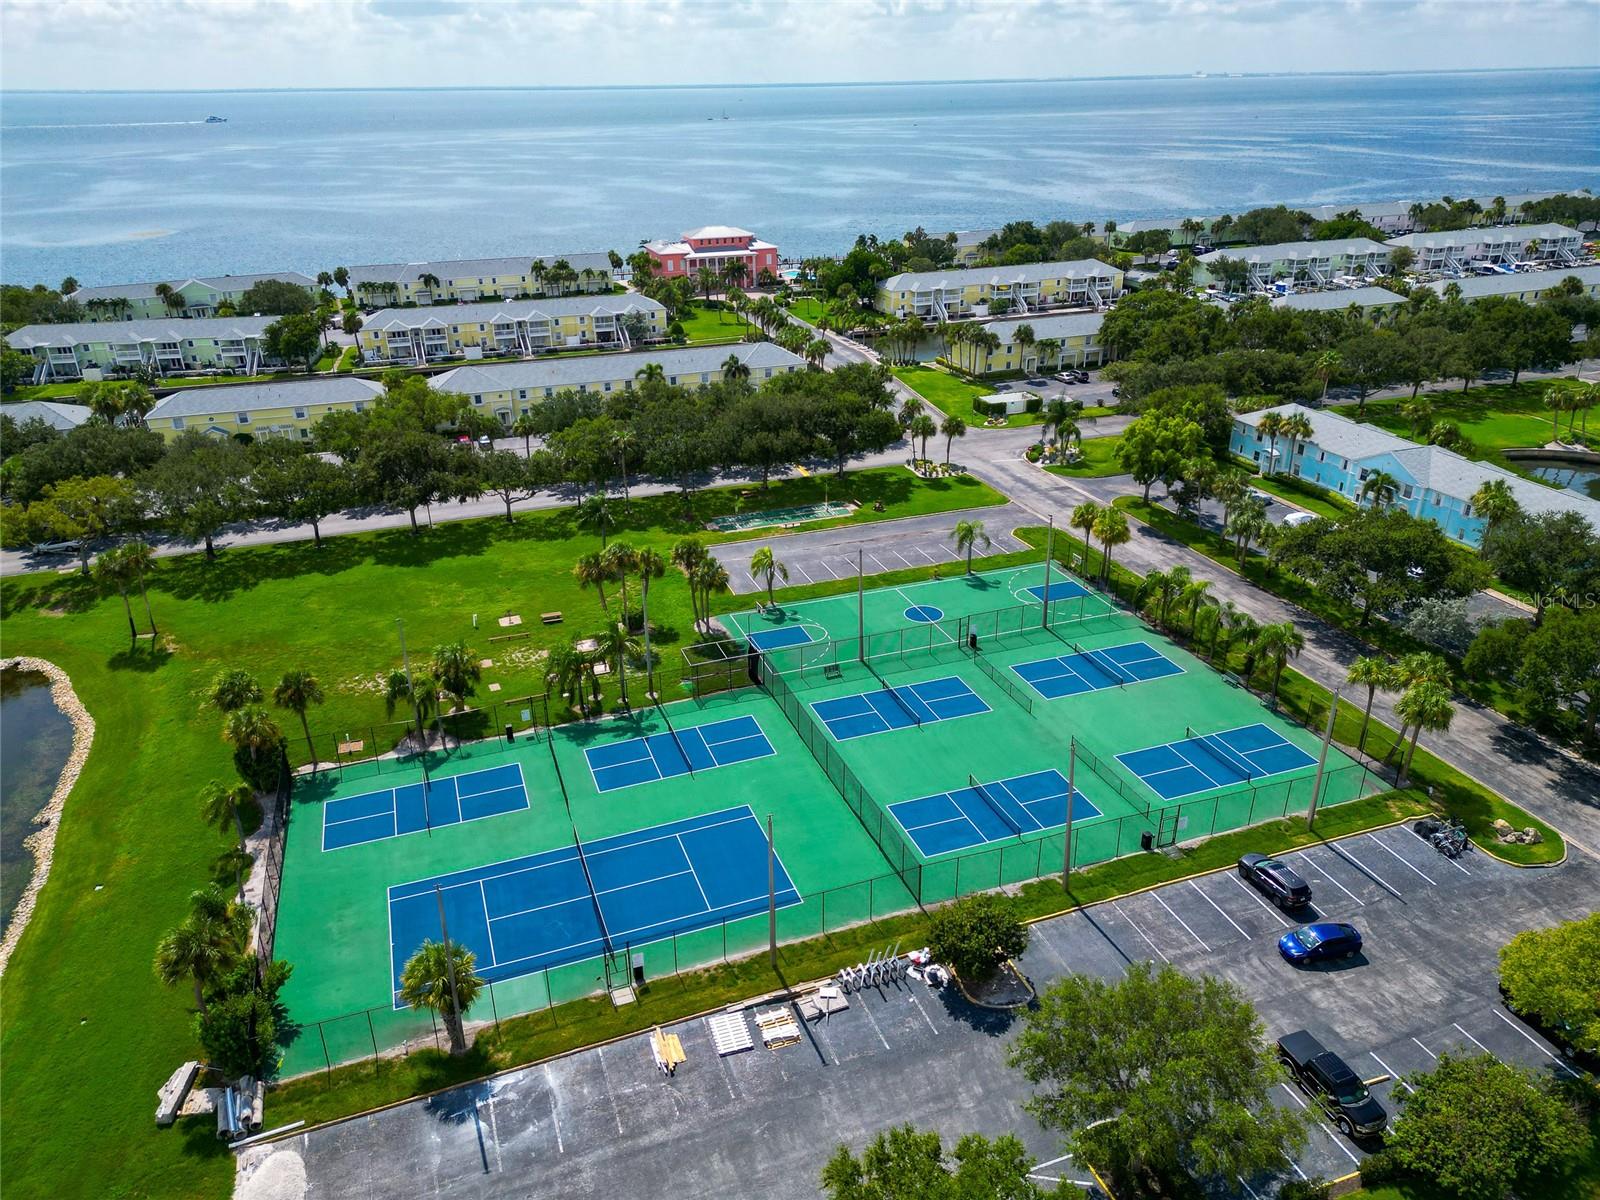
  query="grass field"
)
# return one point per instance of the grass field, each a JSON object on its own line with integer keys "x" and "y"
{"x": 807, "y": 308}
{"x": 1098, "y": 460}
{"x": 712, "y": 323}
{"x": 953, "y": 395}
{"x": 80, "y": 988}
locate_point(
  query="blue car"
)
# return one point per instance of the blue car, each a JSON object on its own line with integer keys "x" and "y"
{"x": 1318, "y": 941}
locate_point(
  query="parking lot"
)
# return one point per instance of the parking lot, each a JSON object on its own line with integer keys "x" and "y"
{"x": 891, "y": 546}
{"x": 762, "y": 1123}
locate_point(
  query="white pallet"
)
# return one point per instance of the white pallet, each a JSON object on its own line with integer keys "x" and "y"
{"x": 730, "y": 1032}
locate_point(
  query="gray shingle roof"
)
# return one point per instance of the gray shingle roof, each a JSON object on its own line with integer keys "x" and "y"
{"x": 489, "y": 311}
{"x": 1480, "y": 234}
{"x": 208, "y": 401}
{"x": 1474, "y": 287}
{"x": 472, "y": 268}
{"x": 220, "y": 283}
{"x": 600, "y": 368}
{"x": 148, "y": 329}
{"x": 1082, "y": 268}
{"x": 52, "y": 412}
{"x": 1340, "y": 435}
{"x": 1067, "y": 325}
{"x": 1446, "y": 471}
{"x": 1339, "y": 247}
{"x": 1339, "y": 299}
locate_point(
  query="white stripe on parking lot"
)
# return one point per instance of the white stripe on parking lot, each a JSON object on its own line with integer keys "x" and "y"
{"x": 1180, "y": 921}
{"x": 1333, "y": 1137}
{"x": 1425, "y": 842}
{"x": 1418, "y": 870}
{"x": 1476, "y": 1042}
{"x": 1365, "y": 870}
{"x": 802, "y": 571}
{"x": 822, "y": 562}
{"x": 1214, "y": 905}
{"x": 1260, "y": 901}
{"x": 1312, "y": 863}
{"x": 1426, "y": 1051}
{"x": 1139, "y": 931}
{"x": 1553, "y": 1058}
{"x": 1392, "y": 1074}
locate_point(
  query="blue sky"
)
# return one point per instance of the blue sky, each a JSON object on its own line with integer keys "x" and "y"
{"x": 198, "y": 44}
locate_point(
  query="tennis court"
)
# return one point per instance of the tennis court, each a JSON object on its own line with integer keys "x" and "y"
{"x": 990, "y": 812}
{"x": 1087, "y": 670}
{"x": 782, "y": 638}
{"x": 414, "y": 807}
{"x": 526, "y": 914}
{"x": 666, "y": 755}
{"x": 1203, "y": 761}
{"x": 926, "y": 703}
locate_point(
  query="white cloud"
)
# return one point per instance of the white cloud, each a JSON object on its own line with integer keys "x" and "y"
{"x": 152, "y": 44}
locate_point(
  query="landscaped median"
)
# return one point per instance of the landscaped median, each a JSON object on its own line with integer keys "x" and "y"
{"x": 953, "y": 396}
{"x": 1097, "y": 459}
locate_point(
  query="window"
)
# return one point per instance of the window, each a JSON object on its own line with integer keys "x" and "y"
{"x": 1466, "y": 509}
{"x": 177, "y": 422}
{"x": 522, "y": 393}
{"x": 673, "y": 380}
{"x": 1322, "y": 456}
{"x": 1256, "y": 456}
{"x": 548, "y": 392}
{"x": 361, "y": 406}
{"x": 304, "y": 432}
{"x": 477, "y": 400}
{"x": 244, "y": 418}
{"x": 608, "y": 385}
{"x": 1405, "y": 492}
{"x": 1258, "y": 437}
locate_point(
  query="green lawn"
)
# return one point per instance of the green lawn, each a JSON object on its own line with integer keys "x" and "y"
{"x": 1305, "y": 495}
{"x": 1493, "y": 416}
{"x": 80, "y": 989}
{"x": 713, "y": 323}
{"x": 1099, "y": 460}
{"x": 46, "y": 391}
{"x": 807, "y": 308}
{"x": 953, "y": 395}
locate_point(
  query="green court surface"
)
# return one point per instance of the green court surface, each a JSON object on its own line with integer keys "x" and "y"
{"x": 928, "y": 716}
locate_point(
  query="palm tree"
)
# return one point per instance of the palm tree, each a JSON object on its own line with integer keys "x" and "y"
{"x": 297, "y": 691}
{"x": 589, "y": 571}
{"x": 524, "y": 427}
{"x": 1270, "y": 426}
{"x": 594, "y": 513}
{"x": 910, "y": 410}
{"x": 1195, "y": 593}
{"x": 140, "y": 560}
{"x": 1380, "y": 486}
{"x": 686, "y": 555}
{"x": 968, "y": 535}
{"x": 1111, "y": 527}
{"x": 1297, "y": 428}
{"x": 650, "y": 565}
{"x": 1279, "y": 643}
{"x": 816, "y": 352}
{"x": 707, "y": 279}
{"x": 952, "y": 427}
{"x": 651, "y": 372}
{"x": 171, "y": 299}
{"x": 564, "y": 674}
{"x": 1249, "y": 524}
{"x": 708, "y": 577}
{"x": 1418, "y": 414}
{"x": 1372, "y": 673}
{"x": 112, "y": 573}
{"x": 224, "y": 806}
{"x": 1246, "y": 630}
{"x": 1558, "y": 400}
{"x": 206, "y": 945}
{"x": 253, "y": 730}
{"x": 233, "y": 689}
{"x": 421, "y": 692}
{"x": 616, "y": 644}
{"x": 1023, "y": 337}
{"x": 1049, "y": 352}
{"x": 735, "y": 369}
{"x": 1166, "y": 586}
{"x": 1083, "y": 517}
{"x": 921, "y": 429}
{"x": 1494, "y": 502}
{"x": 621, "y": 442}
{"x": 1426, "y": 705}
{"x": 765, "y": 565}
{"x": 455, "y": 666}
{"x": 439, "y": 976}
{"x": 1327, "y": 365}
{"x": 617, "y": 561}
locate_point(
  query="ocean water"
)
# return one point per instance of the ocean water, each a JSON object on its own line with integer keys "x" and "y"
{"x": 120, "y": 187}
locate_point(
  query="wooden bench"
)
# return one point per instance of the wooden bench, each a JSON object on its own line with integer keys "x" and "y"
{"x": 551, "y": 618}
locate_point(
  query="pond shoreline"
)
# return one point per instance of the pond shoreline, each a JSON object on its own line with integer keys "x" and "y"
{"x": 41, "y": 842}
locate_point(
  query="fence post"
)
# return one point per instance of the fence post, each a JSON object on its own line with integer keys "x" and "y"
{"x": 373, "y": 1034}
{"x": 323, "y": 1034}
{"x": 494, "y": 1009}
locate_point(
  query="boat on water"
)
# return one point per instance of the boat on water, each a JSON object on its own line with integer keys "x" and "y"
{"x": 216, "y": 120}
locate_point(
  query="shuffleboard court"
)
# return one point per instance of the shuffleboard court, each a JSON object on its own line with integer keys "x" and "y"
{"x": 990, "y": 812}
{"x": 666, "y": 755}
{"x": 867, "y": 713}
{"x": 1205, "y": 761}
{"x": 1092, "y": 670}
{"x": 527, "y": 914}
{"x": 413, "y": 807}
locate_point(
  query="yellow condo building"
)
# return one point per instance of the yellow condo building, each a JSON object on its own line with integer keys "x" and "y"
{"x": 468, "y": 280}
{"x": 510, "y": 327}
{"x": 286, "y": 408}
{"x": 1035, "y": 344}
{"x": 948, "y": 295}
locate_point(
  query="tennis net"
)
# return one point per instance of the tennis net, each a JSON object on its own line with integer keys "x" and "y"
{"x": 983, "y": 794}
{"x": 1004, "y": 684}
{"x": 894, "y": 694}
{"x": 1219, "y": 751}
{"x": 676, "y": 740}
{"x": 577, "y": 844}
{"x": 1103, "y": 664}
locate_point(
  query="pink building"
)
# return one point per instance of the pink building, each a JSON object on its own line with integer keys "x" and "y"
{"x": 714, "y": 246}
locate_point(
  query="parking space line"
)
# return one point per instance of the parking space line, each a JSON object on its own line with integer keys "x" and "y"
{"x": 1320, "y": 1124}
{"x": 822, "y": 562}
{"x": 924, "y": 554}
{"x": 1140, "y": 932}
{"x": 1392, "y": 1073}
{"x": 924, "y": 1013}
{"x": 1254, "y": 1195}
{"x": 1403, "y": 861}
{"x": 1216, "y": 906}
{"x": 1475, "y": 1042}
{"x": 1426, "y": 1051}
{"x": 1260, "y": 901}
{"x": 873, "y": 1021}
{"x": 1365, "y": 870}
{"x": 901, "y": 557}
{"x": 1535, "y": 1043}
{"x": 882, "y": 570}
{"x": 803, "y": 574}
{"x": 1312, "y": 863}
{"x": 1425, "y": 842}
{"x": 1180, "y": 921}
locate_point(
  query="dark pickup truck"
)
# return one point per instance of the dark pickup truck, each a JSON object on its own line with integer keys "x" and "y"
{"x": 1338, "y": 1090}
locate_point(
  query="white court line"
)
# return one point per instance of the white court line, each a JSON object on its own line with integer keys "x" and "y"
{"x": 1260, "y": 901}
{"x": 1364, "y": 869}
{"x": 494, "y": 957}
{"x": 703, "y": 898}
{"x": 1425, "y": 842}
{"x": 1180, "y": 921}
{"x": 1476, "y": 1042}
{"x": 1139, "y": 931}
{"x": 1419, "y": 871}
{"x": 1534, "y": 1043}
{"x": 1426, "y": 1051}
{"x": 1393, "y": 1073}
{"x": 1216, "y": 906}
{"x": 1312, "y": 863}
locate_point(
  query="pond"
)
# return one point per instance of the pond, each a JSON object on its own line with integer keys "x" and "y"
{"x": 1575, "y": 477}
{"x": 35, "y": 742}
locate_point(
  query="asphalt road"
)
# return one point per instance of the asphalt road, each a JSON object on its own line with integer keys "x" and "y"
{"x": 762, "y": 1123}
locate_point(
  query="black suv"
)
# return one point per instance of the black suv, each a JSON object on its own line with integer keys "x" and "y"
{"x": 1324, "y": 1077}
{"x": 1275, "y": 880}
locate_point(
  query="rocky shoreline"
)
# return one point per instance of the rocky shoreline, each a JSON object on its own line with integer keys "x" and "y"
{"x": 41, "y": 842}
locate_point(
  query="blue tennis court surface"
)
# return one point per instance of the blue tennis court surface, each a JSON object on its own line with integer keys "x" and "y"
{"x": 1092, "y": 670}
{"x": 962, "y": 818}
{"x": 781, "y": 639}
{"x": 898, "y": 708}
{"x": 663, "y": 756}
{"x": 1214, "y": 760}
{"x": 535, "y": 912}
{"x": 1060, "y": 589}
{"x": 413, "y": 807}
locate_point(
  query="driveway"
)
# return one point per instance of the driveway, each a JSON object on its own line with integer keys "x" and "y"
{"x": 762, "y": 1123}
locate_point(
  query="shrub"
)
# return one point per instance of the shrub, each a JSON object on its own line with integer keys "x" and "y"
{"x": 1035, "y": 452}
{"x": 1303, "y": 1189}
{"x": 976, "y": 934}
{"x": 1034, "y": 404}
{"x": 1378, "y": 1169}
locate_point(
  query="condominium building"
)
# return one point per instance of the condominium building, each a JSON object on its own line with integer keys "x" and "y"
{"x": 968, "y": 244}
{"x": 510, "y": 389}
{"x": 1526, "y": 286}
{"x": 947, "y": 295}
{"x": 1064, "y": 340}
{"x": 280, "y": 409}
{"x": 71, "y": 351}
{"x": 468, "y": 280}
{"x": 53, "y": 413}
{"x": 1454, "y": 250}
{"x": 178, "y": 297}
{"x": 1374, "y": 303}
{"x": 713, "y": 246}
{"x": 516, "y": 327}
{"x": 1282, "y": 265}
{"x": 1431, "y": 482}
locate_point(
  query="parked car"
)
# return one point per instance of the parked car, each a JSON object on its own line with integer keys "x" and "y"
{"x": 1275, "y": 880}
{"x": 1319, "y": 942}
{"x": 1066, "y": 376}
{"x": 1038, "y": 383}
{"x": 1328, "y": 1080}
{"x": 1001, "y": 387}
{"x": 1295, "y": 519}
{"x": 1266, "y": 498}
